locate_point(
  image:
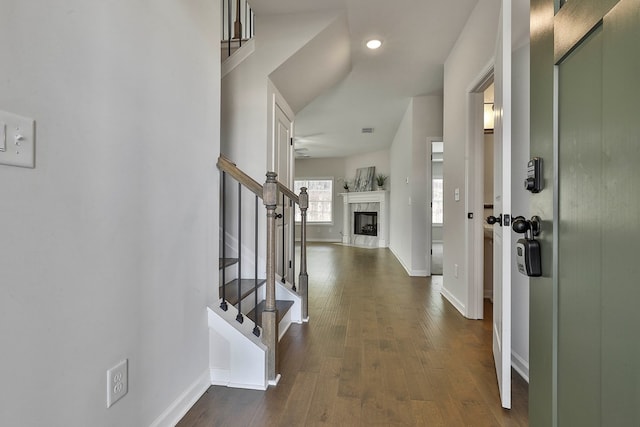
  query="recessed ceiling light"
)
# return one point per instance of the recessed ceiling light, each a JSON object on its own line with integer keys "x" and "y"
{"x": 374, "y": 44}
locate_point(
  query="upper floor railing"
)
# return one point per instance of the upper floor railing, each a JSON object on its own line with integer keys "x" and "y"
{"x": 238, "y": 25}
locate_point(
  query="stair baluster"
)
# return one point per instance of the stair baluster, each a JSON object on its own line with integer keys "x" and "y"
{"x": 292, "y": 204}
{"x": 303, "y": 279}
{"x": 283, "y": 279}
{"x": 223, "y": 304}
{"x": 256, "y": 329}
{"x": 239, "y": 317}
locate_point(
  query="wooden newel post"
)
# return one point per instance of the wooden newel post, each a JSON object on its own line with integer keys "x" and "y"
{"x": 303, "y": 278}
{"x": 269, "y": 321}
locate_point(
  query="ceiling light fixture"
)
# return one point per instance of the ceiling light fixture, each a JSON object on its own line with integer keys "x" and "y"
{"x": 374, "y": 44}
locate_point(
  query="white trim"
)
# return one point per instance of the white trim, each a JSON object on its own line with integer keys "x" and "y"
{"x": 474, "y": 180}
{"x": 237, "y": 57}
{"x": 428, "y": 211}
{"x": 323, "y": 239}
{"x": 184, "y": 402}
{"x": 276, "y": 381}
{"x": 520, "y": 365}
{"x": 412, "y": 273}
{"x": 555, "y": 263}
{"x": 453, "y": 300}
{"x": 220, "y": 377}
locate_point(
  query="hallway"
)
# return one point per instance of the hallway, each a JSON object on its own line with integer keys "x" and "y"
{"x": 381, "y": 348}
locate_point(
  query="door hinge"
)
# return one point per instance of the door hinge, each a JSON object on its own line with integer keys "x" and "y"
{"x": 291, "y": 141}
{"x": 290, "y": 264}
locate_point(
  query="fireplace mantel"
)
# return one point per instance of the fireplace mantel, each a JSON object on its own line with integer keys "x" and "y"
{"x": 381, "y": 197}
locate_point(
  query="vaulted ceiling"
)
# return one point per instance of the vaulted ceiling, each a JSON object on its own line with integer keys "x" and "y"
{"x": 417, "y": 36}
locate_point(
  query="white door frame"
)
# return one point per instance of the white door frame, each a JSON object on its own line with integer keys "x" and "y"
{"x": 429, "y": 211}
{"x": 474, "y": 183}
{"x": 277, "y": 101}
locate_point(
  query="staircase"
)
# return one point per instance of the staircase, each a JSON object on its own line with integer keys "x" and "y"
{"x": 258, "y": 300}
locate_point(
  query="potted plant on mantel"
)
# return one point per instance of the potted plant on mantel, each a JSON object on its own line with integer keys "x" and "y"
{"x": 380, "y": 180}
{"x": 346, "y": 186}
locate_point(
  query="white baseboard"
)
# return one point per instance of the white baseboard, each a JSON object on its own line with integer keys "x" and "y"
{"x": 418, "y": 273}
{"x": 276, "y": 381}
{"x": 184, "y": 402}
{"x": 520, "y": 365}
{"x": 220, "y": 377}
{"x": 323, "y": 239}
{"x": 410, "y": 272}
{"x": 453, "y": 300}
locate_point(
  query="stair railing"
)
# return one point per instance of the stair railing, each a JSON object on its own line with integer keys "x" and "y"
{"x": 243, "y": 180}
{"x": 238, "y": 24}
{"x": 289, "y": 200}
{"x": 269, "y": 193}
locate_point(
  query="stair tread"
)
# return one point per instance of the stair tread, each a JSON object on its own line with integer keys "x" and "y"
{"x": 282, "y": 306}
{"x": 226, "y": 262}
{"x": 246, "y": 288}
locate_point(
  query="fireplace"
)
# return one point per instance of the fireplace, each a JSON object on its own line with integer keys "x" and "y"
{"x": 367, "y": 203}
{"x": 365, "y": 223}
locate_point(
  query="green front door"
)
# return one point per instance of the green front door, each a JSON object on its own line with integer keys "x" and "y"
{"x": 598, "y": 223}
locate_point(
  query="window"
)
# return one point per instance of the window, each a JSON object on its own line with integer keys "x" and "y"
{"x": 320, "y": 199}
{"x": 437, "y": 197}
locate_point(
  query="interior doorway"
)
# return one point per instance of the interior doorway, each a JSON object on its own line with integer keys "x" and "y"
{"x": 437, "y": 204}
{"x": 487, "y": 184}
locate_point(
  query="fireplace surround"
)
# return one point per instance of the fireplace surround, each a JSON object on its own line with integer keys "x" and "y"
{"x": 366, "y": 202}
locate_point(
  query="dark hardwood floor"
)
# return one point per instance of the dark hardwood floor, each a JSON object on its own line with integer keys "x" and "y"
{"x": 381, "y": 349}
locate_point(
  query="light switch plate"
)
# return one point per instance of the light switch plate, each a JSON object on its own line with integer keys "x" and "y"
{"x": 17, "y": 140}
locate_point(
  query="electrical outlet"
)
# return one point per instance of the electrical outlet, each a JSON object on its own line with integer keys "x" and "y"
{"x": 117, "y": 382}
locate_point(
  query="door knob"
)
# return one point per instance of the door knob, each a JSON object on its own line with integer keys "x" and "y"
{"x": 492, "y": 219}
{"x": 523, "y": 226}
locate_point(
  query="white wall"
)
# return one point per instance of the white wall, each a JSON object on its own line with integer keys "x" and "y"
{"x": 410, "y": 176}
{"x": 400, "y": 192}
{"x": 325, "y": 168}
{"x": 472, "y": 52}
{"x": 108, "y": 246}
{"x": 245, "y": 89}
{"x": 379, "y": 159}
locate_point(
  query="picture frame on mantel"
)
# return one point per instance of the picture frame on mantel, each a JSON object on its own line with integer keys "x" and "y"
{"x": 364, "y": 179}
